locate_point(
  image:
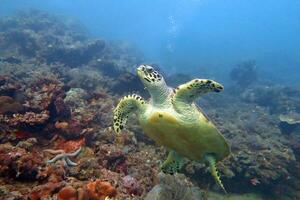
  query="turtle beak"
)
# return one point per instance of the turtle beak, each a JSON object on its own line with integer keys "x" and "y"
{"x": 140, "y": 70}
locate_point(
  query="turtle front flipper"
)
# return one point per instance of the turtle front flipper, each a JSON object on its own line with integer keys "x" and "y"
{"x": 214, "y": 171}
{"x": 187, "y": 93}
{"x": 127, "y": 105}
{"x": 173, "y": 163}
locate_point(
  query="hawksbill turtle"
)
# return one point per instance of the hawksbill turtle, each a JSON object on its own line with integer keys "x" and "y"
{"x": 172, "y": 119}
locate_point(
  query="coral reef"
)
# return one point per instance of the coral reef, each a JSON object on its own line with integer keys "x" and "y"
{"x": 29, "y": 118}
{"x": 57, "y": 92}
{"x": 278, "y": 99}
{"x": 245, "y": 73}
{"x": 19, "y": 163}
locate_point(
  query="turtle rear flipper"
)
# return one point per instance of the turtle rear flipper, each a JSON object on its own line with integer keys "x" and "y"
{"x": 187, "y": 93}
{"x": 214, "y": 171}
{"x": 127, "y": 106}
{"x": 173, "y": 163}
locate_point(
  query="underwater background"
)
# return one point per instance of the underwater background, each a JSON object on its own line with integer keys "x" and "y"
{"x": 64, "y": 65}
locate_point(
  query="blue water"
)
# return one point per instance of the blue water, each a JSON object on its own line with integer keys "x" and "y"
{"x": 192, "y": 35}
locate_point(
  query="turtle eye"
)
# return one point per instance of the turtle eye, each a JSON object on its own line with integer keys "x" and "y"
{"x": 149, "y": 69}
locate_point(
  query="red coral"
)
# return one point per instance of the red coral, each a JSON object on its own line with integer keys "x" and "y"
{"x": 20, "y": 134}
{"x": 99, "y": 190}
{"x": 70, "y": 145}
{"x": 67, "y": 193}
{"x": 45, "y": 190}
{"x": 54, "y": 173}
{"x": 71, "y": 128}
{"x": 19, "y": 163}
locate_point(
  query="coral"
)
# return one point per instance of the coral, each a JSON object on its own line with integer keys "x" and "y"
{"x": 29, "y": 118}
{"x": 19, "y": 163}
{"x": 61, "y": 125}
{"x": 125, "y": 82}
{"x": 21, "y": 134}
{"x": 87, "y": 169}
{"x": 278, "y": 99}
{"x": 290, "y": 118}
{"x": 289, "y": 122}
{"x": 174, "y": 187}
{"x": 43, "y": 92}
{"x": 63, "y": 111}
{"x": 244, "y": 73}
{"x": 89, "y": 78}
{"x": 100, "y": 190}
{"x": 27, "y": 144}
{"x": 95, "y": 190}
{"x": 23, "y": 40}
{"x": 67, "y": 193}
{"x": 45, "y": 191}
{"x": 65, "y": 85}
{"x": 62, "y": 155}
{"x": 64, "y": 82}
{"x": 10, "y": 195}
{"x": 113, "y": 158}
{"x": 9, "y": 85}
{"x": 259, "y": 150}
{"x": 75, "y": 97}
{"x": 52, "y": 173}
{"x": 11, "y": 60}
{"x": 70, "y": 145}
{"x": 75, "y": 54}
{"x": 8, "y": 105}
{"x": 131, "y": 184}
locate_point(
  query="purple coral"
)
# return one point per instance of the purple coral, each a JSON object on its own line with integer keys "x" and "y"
{"x": 131, "y": 184}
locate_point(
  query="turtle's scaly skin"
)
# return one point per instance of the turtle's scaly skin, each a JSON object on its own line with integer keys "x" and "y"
{"x": 126, "y": 105}
{"x": 173, "y": 120}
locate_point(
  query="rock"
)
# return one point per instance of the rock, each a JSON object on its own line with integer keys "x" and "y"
{"x": 173, "y": 187}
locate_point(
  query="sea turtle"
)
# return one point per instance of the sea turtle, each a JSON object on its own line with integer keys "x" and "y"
{"x": 172, "y": 119}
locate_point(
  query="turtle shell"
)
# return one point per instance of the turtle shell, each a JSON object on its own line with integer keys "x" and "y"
{"x": 190, "y": 138}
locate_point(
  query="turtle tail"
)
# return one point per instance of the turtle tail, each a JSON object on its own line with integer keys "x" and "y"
{"x": 214, "y": 171}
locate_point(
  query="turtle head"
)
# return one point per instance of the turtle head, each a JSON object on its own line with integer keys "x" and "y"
{"x": 154, "y": 83}
{"x": 150, "y": 77}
